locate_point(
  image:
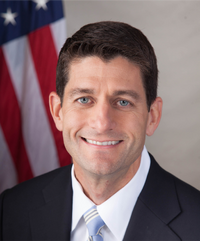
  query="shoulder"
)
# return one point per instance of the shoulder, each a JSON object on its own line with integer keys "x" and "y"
{"x": 20, "y": 203}
{"x": 186, "y": 191}
{"x": 189, "y": 199}
{"x": 188, "y": 220}
{"x": 176, "y": 197}
{"x": 183, "y": 189}
{"x": 32, "y": 189}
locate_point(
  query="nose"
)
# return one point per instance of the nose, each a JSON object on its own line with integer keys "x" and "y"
{"x": 102, "y": 118}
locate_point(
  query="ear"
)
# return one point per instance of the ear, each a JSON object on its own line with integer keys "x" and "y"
{"x": 56, "y": 109}
{"x": 154, "y": 116}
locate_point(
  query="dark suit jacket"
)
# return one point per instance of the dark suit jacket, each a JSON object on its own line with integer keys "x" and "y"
{"x": 41, "y": 209}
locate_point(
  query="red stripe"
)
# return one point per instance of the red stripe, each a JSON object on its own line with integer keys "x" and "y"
{"x": 45, "y": 60}
{"x": 10, "y": 120}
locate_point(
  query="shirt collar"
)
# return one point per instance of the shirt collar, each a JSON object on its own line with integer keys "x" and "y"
{"x": 79, "y": 197}
{"x": 117, "y": 210}
{"x": 122, "y": 203}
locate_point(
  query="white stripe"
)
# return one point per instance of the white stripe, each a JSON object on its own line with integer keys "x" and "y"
{"x": 89, "y": 214}
{"x": 8, "y": 175}
{"x": 59, "y": 33}
{"x": 36, "y": 129}
{"x": 99, "y": 231}
{"x": 92, "y": 218}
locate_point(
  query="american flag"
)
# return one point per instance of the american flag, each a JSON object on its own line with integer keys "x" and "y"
{"x": 31, "y": 35}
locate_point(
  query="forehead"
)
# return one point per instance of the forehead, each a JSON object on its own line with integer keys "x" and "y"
{"x": 92, "y": 72}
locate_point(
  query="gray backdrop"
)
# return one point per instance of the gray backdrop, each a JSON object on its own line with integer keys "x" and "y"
{"x": 173, "y": 28}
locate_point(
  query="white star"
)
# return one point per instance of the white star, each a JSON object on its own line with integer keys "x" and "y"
{"x": 9, "y": 17}
{"x": 41, "y": 4}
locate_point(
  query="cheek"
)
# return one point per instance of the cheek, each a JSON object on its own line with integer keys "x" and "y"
{"x": 135, "y": 121}
{"x": 73, "y": 121}
{"x": 136, "y": 125}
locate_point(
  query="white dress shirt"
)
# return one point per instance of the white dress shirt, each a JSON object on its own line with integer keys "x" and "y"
{"x": 115, "y": 212}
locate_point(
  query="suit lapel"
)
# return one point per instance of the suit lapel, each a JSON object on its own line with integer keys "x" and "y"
{"x": 155, "y": 208}
{"x": 52, "y": 221}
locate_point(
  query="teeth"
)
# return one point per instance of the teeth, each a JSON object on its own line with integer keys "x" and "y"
{"x": 104, "y": 143}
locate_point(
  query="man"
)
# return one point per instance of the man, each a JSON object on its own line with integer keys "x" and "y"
{"x": 105, "y": 105}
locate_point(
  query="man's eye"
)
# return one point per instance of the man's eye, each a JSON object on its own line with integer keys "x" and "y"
{"x": 123, "y": 102}
{"x": 83, "y": 100}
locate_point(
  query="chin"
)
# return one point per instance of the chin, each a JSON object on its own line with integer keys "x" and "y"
{"x": 102, "y": 168}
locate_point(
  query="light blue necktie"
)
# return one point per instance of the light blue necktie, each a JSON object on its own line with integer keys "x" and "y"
{"x": 94, "y": 224}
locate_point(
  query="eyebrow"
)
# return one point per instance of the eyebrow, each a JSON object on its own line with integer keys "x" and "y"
{"x": 77, "y": 91}
{"x": 130, "y": 93}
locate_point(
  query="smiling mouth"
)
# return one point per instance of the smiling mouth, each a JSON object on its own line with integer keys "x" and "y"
{"x": 103, "y": 143}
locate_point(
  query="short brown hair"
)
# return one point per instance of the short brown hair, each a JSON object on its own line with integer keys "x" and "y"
{"x": 108, "y": 40}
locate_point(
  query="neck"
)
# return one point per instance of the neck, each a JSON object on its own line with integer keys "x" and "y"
{"x": 99, "y": 188}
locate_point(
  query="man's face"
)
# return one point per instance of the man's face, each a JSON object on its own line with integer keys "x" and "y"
{"x": 104, "y": 116}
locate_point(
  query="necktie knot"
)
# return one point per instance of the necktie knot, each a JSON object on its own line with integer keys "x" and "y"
{"x": 94, "y": 224}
